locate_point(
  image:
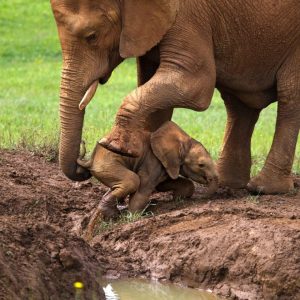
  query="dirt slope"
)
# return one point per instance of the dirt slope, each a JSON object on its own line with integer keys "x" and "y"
{"x": 40, "y": 258}
{"x": 239, "y": 246}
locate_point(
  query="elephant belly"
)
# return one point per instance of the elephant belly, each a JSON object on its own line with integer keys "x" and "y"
{"x": 252, "y": 41}
{"x": 253, "y": 85}
{"x": 255, "y": 99}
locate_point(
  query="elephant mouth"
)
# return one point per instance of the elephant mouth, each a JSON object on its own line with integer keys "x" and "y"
{"x": 91, "y": 91}
{"x": 104, "y": 79}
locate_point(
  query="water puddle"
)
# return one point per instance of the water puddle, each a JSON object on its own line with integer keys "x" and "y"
{"x": 132, "y": 289}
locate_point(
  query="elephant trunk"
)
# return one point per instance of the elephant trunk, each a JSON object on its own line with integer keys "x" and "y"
{"x": 71, "y": 122}
{"x": 212, "y": 187}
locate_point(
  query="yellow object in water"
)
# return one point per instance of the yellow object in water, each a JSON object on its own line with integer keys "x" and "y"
{"x": 78, "y": 285}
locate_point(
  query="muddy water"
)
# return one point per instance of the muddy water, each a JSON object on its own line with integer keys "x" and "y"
{"x": 144, "y": 290}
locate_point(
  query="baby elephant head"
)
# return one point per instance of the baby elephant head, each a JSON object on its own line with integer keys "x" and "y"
{"x": 182, "y": 155}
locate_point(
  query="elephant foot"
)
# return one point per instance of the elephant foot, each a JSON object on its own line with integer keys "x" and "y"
{"x": 233, "y": 182}
{"x": 123, "y": 141}
{"x": 232, "y": 176}
{"x": 95, "y": 219}
{"x": 105, "y": 211}
{"x": 270, "y": 184}
{"x": 108, "y": 207}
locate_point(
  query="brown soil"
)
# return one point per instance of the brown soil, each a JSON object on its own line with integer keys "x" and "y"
{"x": 240, "y": 246}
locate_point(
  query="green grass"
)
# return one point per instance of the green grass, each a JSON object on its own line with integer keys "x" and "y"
{"x": 125, "y": 217}
{"x": 30, "y": 63}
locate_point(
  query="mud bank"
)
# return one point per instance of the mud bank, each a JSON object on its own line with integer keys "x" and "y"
{"x": 240, "y": 246}
{"x": 40, "y": 258}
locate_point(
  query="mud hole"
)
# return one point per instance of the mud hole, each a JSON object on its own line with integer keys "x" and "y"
{"x": 240, "y": 246}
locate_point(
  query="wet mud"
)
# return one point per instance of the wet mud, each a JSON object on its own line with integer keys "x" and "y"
{"x": 237, "y": 245}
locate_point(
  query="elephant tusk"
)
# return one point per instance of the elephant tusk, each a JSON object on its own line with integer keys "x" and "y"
{"x": 88, "y": 96}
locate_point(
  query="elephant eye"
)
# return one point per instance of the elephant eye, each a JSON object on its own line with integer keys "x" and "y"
{"x": 91, "y": 38}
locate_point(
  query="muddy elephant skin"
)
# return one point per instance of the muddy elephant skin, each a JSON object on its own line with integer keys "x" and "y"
{"x": 168, "y": 153}
{"x": 249, "y": 50}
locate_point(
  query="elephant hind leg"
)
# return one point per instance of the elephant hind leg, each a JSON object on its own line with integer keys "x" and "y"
{"x": 122, "y": 183}
{"x": 234, "y": 163}
{"x": 275, "y": 177}
{"x": 181, "y": 187}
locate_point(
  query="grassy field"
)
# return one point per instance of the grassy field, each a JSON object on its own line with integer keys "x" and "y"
{"x": 30, "y": 63}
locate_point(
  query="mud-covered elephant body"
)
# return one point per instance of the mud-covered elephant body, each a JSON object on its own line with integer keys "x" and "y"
{"x": 168, "y": 152}
{"x": 249, "y": 50}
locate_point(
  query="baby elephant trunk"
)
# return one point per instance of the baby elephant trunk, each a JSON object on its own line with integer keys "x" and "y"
{"x": 212, "y": 187}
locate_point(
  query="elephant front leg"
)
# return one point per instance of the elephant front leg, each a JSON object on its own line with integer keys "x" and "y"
{"x": 184, "y": 79}
{"x": 147, "y": 66}
{"x": 139, "y": 201}
{"x": 234, "y": 163}
{"x": 164, "y": 91}
{"x": 150, "y": 176}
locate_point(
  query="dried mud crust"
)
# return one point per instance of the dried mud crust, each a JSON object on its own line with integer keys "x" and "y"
{"x": 240, "y": 246}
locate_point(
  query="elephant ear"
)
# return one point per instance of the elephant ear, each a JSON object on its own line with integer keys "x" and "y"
{"x": 145, "y": 22}
{"x": 170, "y": 144}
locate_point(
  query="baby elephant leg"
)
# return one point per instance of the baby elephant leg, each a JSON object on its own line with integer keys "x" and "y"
{"x": 106, "y": 210}
{"x": 121, "y": 184}
{"x": 108, "y": 205}
{"x": 138, "y": 202}
{"x": 125, "y": 183}
{"x": 150, "y": 175}
{"x": 181, "y": 187}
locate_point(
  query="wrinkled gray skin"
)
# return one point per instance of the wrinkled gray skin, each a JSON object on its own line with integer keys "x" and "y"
{"x": 249, "y": 50}
{"x": 168, "y": 153}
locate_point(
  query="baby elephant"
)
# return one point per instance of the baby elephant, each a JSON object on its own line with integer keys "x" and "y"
{"x": 168, "y": 153}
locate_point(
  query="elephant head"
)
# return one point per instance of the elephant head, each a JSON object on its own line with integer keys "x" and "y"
{"x": 95, "y": 36}
{"x": 182, "y": 155}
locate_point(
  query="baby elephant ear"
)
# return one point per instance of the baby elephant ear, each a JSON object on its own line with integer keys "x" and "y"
{"x": 168, "y": 144}
{"x": 144, "y": 23}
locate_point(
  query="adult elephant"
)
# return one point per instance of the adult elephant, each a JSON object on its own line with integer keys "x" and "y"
{"x": 249, "y": 50}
